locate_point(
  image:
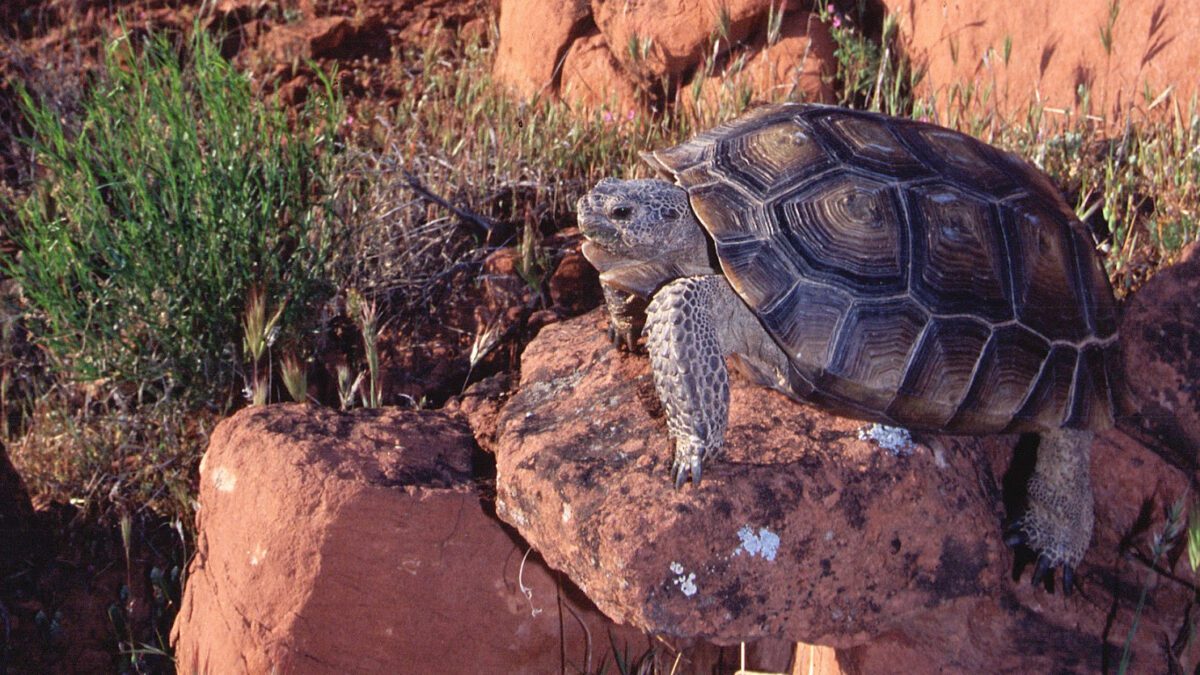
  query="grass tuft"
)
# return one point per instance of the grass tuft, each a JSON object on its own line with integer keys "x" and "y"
{"x": 176, "y": 192}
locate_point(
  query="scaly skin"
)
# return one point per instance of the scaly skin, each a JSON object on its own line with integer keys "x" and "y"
{"x": 692, "y": 324}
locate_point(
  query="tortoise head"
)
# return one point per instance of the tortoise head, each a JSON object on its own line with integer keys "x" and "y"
{"x": 641, "y": 234}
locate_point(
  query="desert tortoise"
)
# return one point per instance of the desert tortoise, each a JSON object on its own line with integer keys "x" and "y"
{"x": 883, "y": 268}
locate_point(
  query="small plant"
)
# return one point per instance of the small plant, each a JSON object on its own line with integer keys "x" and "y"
{"x": 347, "y": 387}
{"x": 1162, "y": 542}
{"x": 367, "y": 315}
{"x": 871, "y": 73}
{"x": 1106, "y": 31}
{"x": 258, "y": 334}
{"x": 1193, "y": 537}
{"x": 774, "y": 23}
{"x": 174, "y": 192}
{"x": 295, "y": 377}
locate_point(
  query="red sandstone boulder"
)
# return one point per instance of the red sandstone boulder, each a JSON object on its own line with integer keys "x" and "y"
{"x": 534, "y": 35}
{"x": 1032, "y": 51}
{"x": 609, "y": 55}
{"x": 656, "y": 40}
{"x": 1160, "y": 331}
{"x": 805, "y": 532}
{"x": 335, "y": 37}
{"x": 798, "y": 65}
{"x": 592, "y": 79}
{"x": 346, "y": 543}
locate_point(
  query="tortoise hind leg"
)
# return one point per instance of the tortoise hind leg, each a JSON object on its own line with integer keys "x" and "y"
{"x": 1057, "y": 524}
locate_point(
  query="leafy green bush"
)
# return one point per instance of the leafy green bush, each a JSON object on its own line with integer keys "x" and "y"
{"x": 173, "y": 194}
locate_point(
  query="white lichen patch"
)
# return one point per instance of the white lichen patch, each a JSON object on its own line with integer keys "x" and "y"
{"x": 763, "y": 543}
{"x": 893, "y": 439}
{"x": 223, "y": 479}
{"x": 566, "y": 513}
{"x": 685, "y": 582}
{"x": 517, "y": 516}
{"x": 258, "y": 555}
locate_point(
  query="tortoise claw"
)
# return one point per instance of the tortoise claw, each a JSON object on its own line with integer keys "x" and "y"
{"x": 680, "y": 475}
{"x": 623, "y": 340}
{"x": 683, "y": 467}
{"x": 1039, "y": 572}
{"x": 1068, "y": 579}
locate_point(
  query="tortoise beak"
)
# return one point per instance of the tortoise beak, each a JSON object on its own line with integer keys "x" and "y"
{"x": 601, "y": 258}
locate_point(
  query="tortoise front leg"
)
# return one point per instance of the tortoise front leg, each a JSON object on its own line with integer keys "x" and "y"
{"x": 689, "y": 369}
{"x": 1057, "y": 524}
{"x": 692, "y": 324}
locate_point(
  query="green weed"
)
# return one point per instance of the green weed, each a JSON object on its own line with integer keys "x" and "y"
{"x": 174, "y": 193}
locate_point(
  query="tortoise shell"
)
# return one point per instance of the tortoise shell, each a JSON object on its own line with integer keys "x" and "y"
{"x": 913, "y": 274}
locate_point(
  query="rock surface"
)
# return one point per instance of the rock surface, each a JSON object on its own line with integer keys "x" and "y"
{"x": 1161, "y": 337}
{"x": 613, "y": 55}
{"x": 796, "y": 66}
{"x": 534, "y": 36}
{"x": 592, "y": 79}
{"x": 669, "y": 36}
{"x": 806, "y": 532}
{"x": 1052, "y": 49}
{"x": 359, "y": 543}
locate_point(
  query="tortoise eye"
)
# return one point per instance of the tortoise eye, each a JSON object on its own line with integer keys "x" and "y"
{"x": 622, "y": 213}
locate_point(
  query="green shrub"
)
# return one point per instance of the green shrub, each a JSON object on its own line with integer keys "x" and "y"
{"x": 173, "y": 194}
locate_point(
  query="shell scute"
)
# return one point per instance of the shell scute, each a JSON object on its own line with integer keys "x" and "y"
{"x": 1042, "y": 255}
{"x": 869, "y": 142}
{"x": 805, "y": 320}
{"x": 940, "y": 373}
{"x": 849, "y": 231}
{"x": 960, "y": 265}
{"x": 770, "y": 156}
{"x": 1010, "y": 361}
{"x": 868, "y": 361}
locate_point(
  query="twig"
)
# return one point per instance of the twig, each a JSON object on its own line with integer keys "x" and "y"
{"x": 487, "y": 224}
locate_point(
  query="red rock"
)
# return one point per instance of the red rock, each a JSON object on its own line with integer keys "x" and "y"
{"x": 534, "y": 35}
{"x": 592, "y": 79}
{"x": 335, "y": 37}
{"x": 359, "y": 543}
{"x": 481, "y": 404}
{"x": 673, "y": 35}
{"x": 804, "y": 532}
{"x": 306, "y": 39}
{"x": 507, "y": 299}
{"x": 1160, "y": 331}
{"x": 574, "y": 286}
{"x": 1054, "y": 48}
{"x": 798, "y": 66}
